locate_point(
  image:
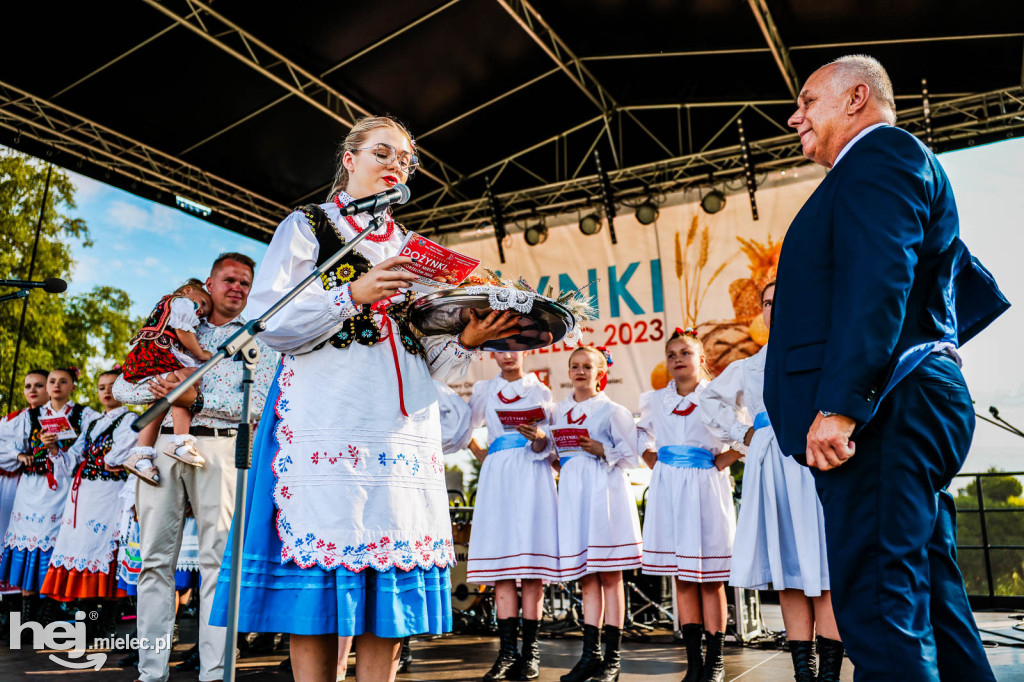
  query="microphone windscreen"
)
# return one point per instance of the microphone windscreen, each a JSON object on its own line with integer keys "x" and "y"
{"x": 403, "y": 192}
{"x": 54, "y": 285}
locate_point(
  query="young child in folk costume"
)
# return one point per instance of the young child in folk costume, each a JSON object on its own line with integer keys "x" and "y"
{"x": 780, "y": 534}
{"x": 598, "y": 524}
{"x": 690, "y": 520}
{"x": 84, "y": 560}
{"x": 34, "y": 389}
{"x": 515, "y": 522}
{"x": 167, "y": 344}
{"x": 348, "y": 529}
{"x": 46, "y": 479}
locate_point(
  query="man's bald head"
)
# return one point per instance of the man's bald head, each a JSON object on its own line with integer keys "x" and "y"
{"x": 849, "y": 71}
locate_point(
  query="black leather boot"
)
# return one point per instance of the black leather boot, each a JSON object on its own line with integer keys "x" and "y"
{"x": 591, "y": 660}
{"x": 29, "y": 608}
{"x": 530, "y": 655}
{"x": 714, "y": 659}
{"x": 830, "y": 659}
{"x": 508, "y": 656}
{"x": 609, "y": 671}
{"x": 804, "y": 665}
{"x": 693, "y": 633}
{"x": 405, "y": 658}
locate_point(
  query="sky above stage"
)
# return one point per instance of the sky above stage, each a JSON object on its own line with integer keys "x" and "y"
{"x": 148, "y": 249}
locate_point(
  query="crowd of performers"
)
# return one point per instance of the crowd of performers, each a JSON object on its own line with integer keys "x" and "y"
{"x": 348, "y": 532}
{"x": 526, "y": 532}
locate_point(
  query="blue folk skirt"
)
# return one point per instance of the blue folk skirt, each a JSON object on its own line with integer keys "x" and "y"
{"x": 278, "y": 597}
{"x": 24, "y": 568}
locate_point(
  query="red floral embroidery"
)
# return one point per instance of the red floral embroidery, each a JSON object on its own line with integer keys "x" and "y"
{"x": 287, "y": 434}
{"x": 285, "y": 493}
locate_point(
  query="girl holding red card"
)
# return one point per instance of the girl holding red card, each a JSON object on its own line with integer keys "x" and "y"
{"x": 690, "y": 520}
{"x": 598, "y": 524}
{"x": 47, "y": 468}
{"x": 514, "y": 535}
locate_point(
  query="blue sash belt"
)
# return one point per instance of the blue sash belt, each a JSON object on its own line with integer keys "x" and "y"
{"x": 686, "y": 457}
{"x": 569, "y": 454}
{"x": 761, "y": 421}
{"x": 508, "y": 441}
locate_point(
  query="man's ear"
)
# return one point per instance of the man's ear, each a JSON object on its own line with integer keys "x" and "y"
{"x": 859, "y": 97}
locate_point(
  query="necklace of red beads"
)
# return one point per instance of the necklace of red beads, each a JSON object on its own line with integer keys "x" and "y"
{"x": 388, "y": 231}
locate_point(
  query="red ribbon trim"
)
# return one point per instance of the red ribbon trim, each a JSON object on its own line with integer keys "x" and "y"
{"x": 389, "y": 329}
{"x": 74, "y": 492}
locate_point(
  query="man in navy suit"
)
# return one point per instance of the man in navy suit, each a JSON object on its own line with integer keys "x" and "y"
{"x": 863, "y": 380}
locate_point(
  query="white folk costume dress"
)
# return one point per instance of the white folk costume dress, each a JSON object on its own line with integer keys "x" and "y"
{"x": 10, "y": 474}
{"x": 780, "y": 534}
{"x": 348, "y": 527}
{"x": 515, "y": 516}
{"x": 39, "y": 503}
{"x": 456, "y": 419}
{"x": 84, "y": 560}
{"x": 598, "y": 523}
{"x": 690, "y": 519}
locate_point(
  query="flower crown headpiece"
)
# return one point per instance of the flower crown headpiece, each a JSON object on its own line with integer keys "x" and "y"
{"x": 607, "y": 355}
{"x": 689, "y": 331}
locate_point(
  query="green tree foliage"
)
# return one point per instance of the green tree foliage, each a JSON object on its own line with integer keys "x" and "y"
{"x": 90, "y": 331}
{"x": 1004, "y": 525}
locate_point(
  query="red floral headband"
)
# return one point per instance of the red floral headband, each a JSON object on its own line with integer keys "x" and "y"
{"x": 689, "y": 331}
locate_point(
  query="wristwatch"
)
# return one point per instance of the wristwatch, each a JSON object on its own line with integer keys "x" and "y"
{"x": 197, "y": 406}
{"x": 826, "y": 413}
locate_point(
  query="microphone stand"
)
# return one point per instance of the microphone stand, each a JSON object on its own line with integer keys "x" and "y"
{"x": 241, "y": 348}
{"x": 17, "y": 294}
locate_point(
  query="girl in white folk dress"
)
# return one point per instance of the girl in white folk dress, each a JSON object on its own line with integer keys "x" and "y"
{"x": 780, "y": 534}
{"x": 84, "y": 561}
{"x": 690, "y": 519}
{"x": 45, "y": 482}
{"x": 34, "y": 390}
{"x": 515, "y": 522}
{"x": 598, "y": 524}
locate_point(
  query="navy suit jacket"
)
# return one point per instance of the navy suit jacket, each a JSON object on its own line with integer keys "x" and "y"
{"x": 860, "y": 281}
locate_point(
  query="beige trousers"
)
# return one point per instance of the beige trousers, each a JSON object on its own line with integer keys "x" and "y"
{"x": 161, "y": 510}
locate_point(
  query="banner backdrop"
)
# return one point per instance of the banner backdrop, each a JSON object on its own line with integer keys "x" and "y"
{"x": 688, "y": 269}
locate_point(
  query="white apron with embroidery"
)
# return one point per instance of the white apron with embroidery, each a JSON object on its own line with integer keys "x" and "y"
{"x": 515, "y": 521}
{"x": 598, "y": 523}
{"x": 37, "y": 512}
{"x": 358, "y": 484}
{"x": 89, "y": 531}
{"x": 690, "y": 519}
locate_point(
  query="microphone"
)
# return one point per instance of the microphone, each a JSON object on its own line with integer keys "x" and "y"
{"x": 53, "y": 285}
{"x": 399, "y": 194}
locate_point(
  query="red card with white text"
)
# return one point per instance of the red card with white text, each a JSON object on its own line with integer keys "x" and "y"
{"x": 59, "y": 426}
{"x": 510, "y": 419}
{"x": 569, "y": 439}
{"x": 436, "y": 266}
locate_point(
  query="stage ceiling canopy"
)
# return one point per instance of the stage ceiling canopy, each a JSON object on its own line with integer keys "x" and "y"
{"x": 239, "y": 106}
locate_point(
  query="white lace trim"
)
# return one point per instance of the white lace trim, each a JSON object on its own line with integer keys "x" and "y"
{"x": 505, "y": 298}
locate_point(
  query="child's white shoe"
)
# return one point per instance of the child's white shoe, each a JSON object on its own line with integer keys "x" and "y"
{"x": 183, "y": 449}
{"x": 140, "y": 463}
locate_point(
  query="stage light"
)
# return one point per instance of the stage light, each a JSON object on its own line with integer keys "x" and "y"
{"x": 590, "y": 224}
{"x": 713, "y": 201}
{"x": 536, "y": 234}
{"x": 192, "y": 206}
{"x": 646, "y": 213}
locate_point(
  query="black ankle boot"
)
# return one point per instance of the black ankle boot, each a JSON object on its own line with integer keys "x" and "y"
{"x": 714, "y": 659}
{"x": 692, "y": 635}
{"x": 29, "y": 608}
{"x": 530, "y": 655}
{"x": 591, "y": 660}
{"x": 508, "y": 656}
{"x": 830, "y": 659}
{"x": 609, "y": 671}
{"x": 405, "y": 658}
{"x": 804, "y": 666}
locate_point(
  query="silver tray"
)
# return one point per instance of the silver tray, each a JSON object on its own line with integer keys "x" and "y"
{"x": 447, "y": 312}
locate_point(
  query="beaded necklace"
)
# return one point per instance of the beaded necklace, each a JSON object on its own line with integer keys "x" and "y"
{"x": 386, "y": 236}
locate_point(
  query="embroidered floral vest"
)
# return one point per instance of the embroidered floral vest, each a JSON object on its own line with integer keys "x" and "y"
{"x": 361, "y": 327}
{"x": 155, "y": 328}
{"x": 96, "y": 449}
{"x": 39, "y": 452}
